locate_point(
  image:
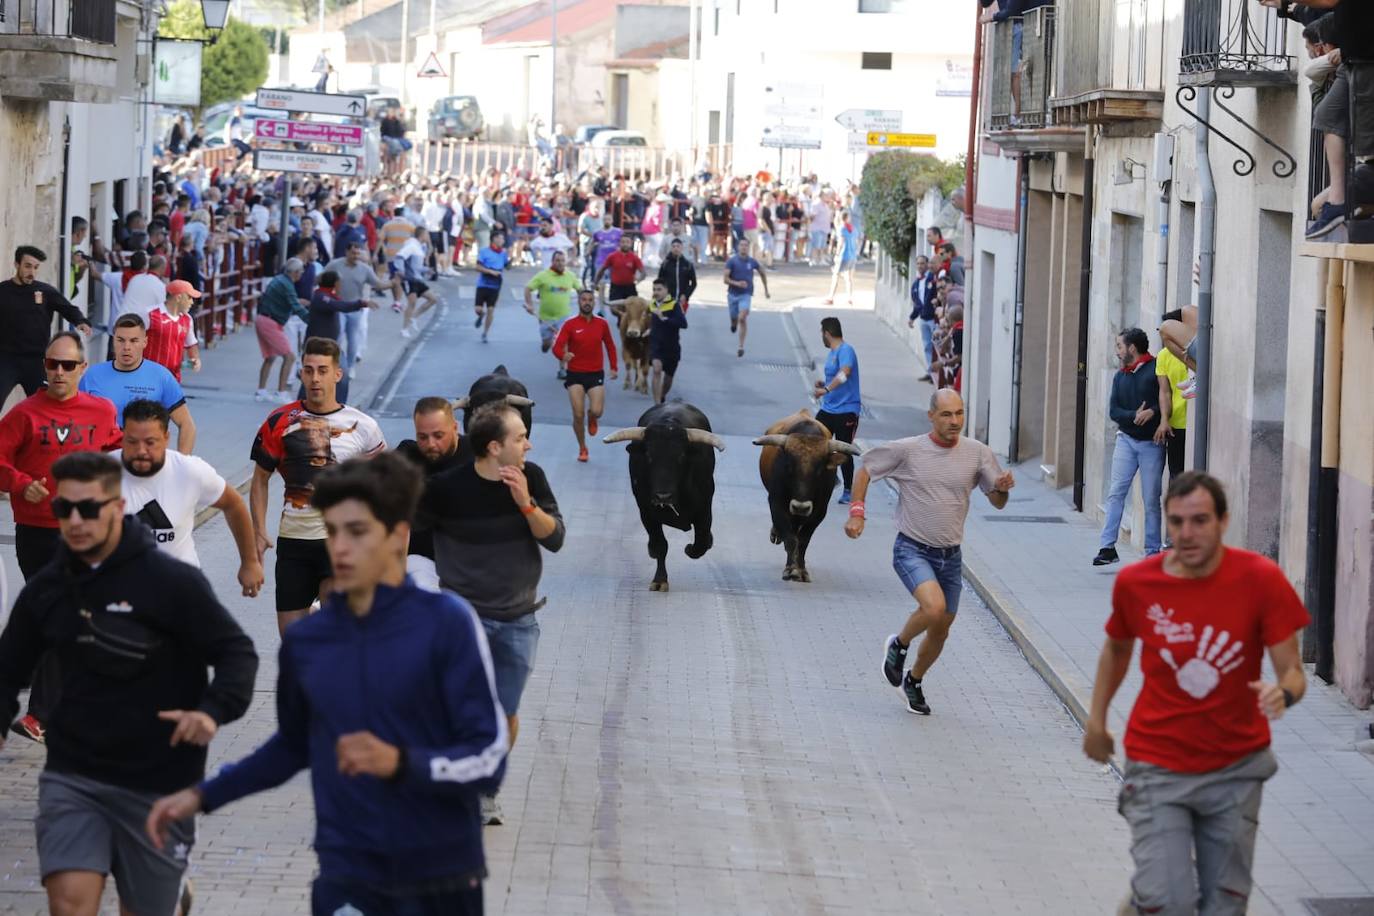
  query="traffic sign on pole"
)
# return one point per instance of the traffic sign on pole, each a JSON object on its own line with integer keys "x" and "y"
{"x": 889, "y": 140}
{"x": 867, "y": 119}
{"x": 329, "y": 103}
{"x": 280, "y": 160}
{"x": 432, "y": 67}
{"x": 792, "y": 136}
{"x": 308, "y": 132}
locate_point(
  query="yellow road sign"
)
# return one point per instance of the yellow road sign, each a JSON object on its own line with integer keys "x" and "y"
{"x": 879, "y": 138}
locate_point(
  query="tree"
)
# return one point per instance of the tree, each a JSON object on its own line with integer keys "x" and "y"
{"x": 234, "y": 65}
{"x": 893, "y": 183}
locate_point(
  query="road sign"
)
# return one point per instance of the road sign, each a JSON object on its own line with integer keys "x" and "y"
{"x": 308, "y": 132}
{"x": 784, "y": 107}
{"x": 321, "y": 64}
{"x": 432, "y": 67}
{"x": 889, "y": 140}
{"x": 280, "y": 160}
{"x": 867, "y": 119}
{"x": 792, "y": 136}
{"x": 858, "y": 142}
{"x": 329, "y": 103}
{"x": 794, "y": 91}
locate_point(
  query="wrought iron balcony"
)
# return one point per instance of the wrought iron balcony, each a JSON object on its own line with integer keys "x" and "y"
{"x": 58, "y": 50}
{"x": 89, "y": 20}
{"x": 1234, "y": 43}
{"x": 1033, "y": 68}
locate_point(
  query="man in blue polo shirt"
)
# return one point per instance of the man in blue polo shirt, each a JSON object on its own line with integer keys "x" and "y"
{"x": 130, "y": 377}
{"x": 839, "y": 394}
{"x": 491, "y": 261}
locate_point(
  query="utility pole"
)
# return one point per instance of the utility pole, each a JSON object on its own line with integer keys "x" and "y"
{"x": 553, "y": 69}
{"x": 321, "y": 17}
{"x": 692, "y": 51}
{"x": 405, "y": 53}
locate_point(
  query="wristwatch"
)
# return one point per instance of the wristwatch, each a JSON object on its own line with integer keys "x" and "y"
{"x": 1288, "y": 698}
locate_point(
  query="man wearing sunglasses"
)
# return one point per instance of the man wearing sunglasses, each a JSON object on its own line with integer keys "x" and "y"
{"x": 133, "y": 631}
{"x": 27, "y": 307}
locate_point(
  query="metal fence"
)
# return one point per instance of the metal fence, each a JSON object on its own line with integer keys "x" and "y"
{"x": 649, "y": 163}
{"x": 1035, "y": 67}
{"x": 233, "y": 284}
{"x": 91, "y": 20}
{"x": 1234, "y": 42}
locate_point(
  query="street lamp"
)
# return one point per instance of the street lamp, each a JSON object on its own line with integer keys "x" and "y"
{"x": 216, "y": 13}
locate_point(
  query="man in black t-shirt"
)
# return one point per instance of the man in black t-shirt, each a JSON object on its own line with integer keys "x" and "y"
{"x": 436, "y": 448}
{"x": 27, "y": 306}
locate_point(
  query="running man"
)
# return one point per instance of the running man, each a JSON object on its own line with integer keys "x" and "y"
{"x": 299, "y": 440}
{"x": 491, "y": 261}
{"x": 555, "y": 287}
{"x": 1197, "y": 744}
{"x": 625, "y": 270}
{"x": 839, "y": 395}
{"x": 606, "y": 241}
{"x": 739, "y": 294}
{"x": 578, "y": 348}
{"x": 129, "y": 377}
{"x": 492, "y": 518}
{"x": 665, "y": 346}
{"x": 434, "y": 450}
{"x": 386, "y": 695}
{"x": 845, "y": 260}
{"x": 165, "y": 489}
{"x": 935, "y": 474}
{"x": 409, "y": 266}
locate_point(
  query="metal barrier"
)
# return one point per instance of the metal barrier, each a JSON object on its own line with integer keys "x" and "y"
{"x": 1233, "y": 42}
{"x": 647, "y": 163}
{"x": 1035, "y": 68}
{"x": 231, "y": 292}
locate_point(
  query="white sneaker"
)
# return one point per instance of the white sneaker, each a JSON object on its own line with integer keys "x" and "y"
{"x": 264, "y": 394}
{"x": 491, "y": 811}
{"x": 407, "y": 333}
{"x": 353, "y": 373}
{"x": 284, "y": 397}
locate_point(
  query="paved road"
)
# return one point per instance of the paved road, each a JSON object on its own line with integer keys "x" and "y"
{"x": 731, "y": 746}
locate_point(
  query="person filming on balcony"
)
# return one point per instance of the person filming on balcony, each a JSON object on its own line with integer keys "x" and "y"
{"x": 1013, "y": 10}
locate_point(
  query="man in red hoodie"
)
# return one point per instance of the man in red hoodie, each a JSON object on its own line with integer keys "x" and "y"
{"x": 40, "y": 429}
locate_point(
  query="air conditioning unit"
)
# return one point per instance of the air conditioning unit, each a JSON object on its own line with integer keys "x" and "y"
{"x": 142, "y": 62}
{"x": 1162, "y": 162}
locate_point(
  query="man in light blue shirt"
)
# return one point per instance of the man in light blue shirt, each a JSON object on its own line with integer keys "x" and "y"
{"x": 845, "y": 259}
{"x": 130, "y": 377}
{"x": 839, "y": 394}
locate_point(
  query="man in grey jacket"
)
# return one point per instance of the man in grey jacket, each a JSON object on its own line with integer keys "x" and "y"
{"x": 491, "y": 521}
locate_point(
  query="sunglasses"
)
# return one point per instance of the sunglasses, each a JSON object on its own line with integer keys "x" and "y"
{"x": 89, "y": 508}
{"x": 68, "y": 365}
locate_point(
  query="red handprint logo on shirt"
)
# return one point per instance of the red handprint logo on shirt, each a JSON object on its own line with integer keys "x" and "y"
{"x": 1200, "y": 675}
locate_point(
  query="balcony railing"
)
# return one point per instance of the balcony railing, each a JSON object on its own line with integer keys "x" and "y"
{"x": 1035, "y": 65}
{"x": 1110, "y": 63}
{"x": 1234, "y": 43}
{"x": 89, "y": 20}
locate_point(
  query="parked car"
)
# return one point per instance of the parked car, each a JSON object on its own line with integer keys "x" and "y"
{"x": 216, "y": 118}
{"x": 456, "y": 117}
{"x": 622, "y": 151}
{"x": 585, "y": 132}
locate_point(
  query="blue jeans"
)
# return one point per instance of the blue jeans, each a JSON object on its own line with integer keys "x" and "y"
{"x": 1130, "y": 456}
{"x": 738, "y": 302}
{"x": 513, "y": 646}
{"x": 917, "y": 563}
{"x": 354, "y": 336}
{"x": 927, "y": 342}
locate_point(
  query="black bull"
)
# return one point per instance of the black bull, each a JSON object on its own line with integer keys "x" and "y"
{"x": 672, "y": 474}
{"x": 497, "y": 385}
{"x": 797, "y": 465}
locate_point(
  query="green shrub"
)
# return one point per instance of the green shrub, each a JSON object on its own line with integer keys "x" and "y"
{"x": 890, "y": 191}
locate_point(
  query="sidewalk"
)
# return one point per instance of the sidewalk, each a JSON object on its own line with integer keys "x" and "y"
{"x": 1031, "y": 564}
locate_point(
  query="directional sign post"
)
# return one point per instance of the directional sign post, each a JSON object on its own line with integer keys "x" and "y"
{"x": 889, "y": 140}
{"x": 281, "y": 160}
{"x": 328, "y": 103}
{"x": 870, "y": 119}
{"x": 792, "y": 136}
{"x": 308, "y": 132}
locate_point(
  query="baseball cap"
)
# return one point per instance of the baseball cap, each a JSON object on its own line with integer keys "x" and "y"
{"x": 177, "y": 287}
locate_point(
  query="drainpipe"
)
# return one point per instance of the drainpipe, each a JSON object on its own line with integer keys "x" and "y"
{"x": 1312, "y": 574}
{"x": 1085, "y": 279}
{"x": 1017, "y": 330}
{"x": 976, "y": 97}
{"x": 63, "y": 219}
{"x": 1162, "y": 254}
{"x": 1327, "y": 483}
{"x": 1207, "y": 245}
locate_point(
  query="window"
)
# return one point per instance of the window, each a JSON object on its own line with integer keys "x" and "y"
{"x": 713, "y": 127}
{"x": 885, "y": 6}
{"x": 876, "y": 60}
{"x": 729, "y": 108}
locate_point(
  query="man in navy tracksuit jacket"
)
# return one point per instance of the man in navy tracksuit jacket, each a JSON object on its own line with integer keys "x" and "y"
{"x": 387, "y": 694}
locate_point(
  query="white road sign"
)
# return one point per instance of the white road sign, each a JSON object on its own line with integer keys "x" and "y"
{"x": 329, "y": 103}
{"x": 280, "y": 160}
{"x": 858, "y": 142}
{"x": 792, "y": 136}
{"x": 870, "y": 119}
{"x": 795, "y": 91}
{"x": 783, "y": 107}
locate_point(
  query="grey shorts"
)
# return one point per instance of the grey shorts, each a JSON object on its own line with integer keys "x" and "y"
{"x": 86, "y": 825}
{"x": 1332, "y": 114}
{"x": 1191, "y": 351}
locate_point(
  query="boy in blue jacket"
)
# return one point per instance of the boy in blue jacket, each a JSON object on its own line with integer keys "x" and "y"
{"x": 387, "y": 694}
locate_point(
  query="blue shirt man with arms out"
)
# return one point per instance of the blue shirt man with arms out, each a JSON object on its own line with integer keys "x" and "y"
{"x": 739, "y": 289}
{"x": 839, "y": 394}
{"x": 388, "y": 695}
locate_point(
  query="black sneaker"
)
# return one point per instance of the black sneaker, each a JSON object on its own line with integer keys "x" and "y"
{"x": 478, "y": 323}
{"x": 894, "y": 661}
{"x": 734, "y": 326}
{"x": 1330, "y": 218}
{"x": 915, "y": 697}
{"x": 1105, "y": 557}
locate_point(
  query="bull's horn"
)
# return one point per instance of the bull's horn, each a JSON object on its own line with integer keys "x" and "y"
{"x": 629, "y": 434}
{"x": 460, "y": 403}
{"x": 848, "y": 448}
{"x": 516, "y": 400}
{"x": 702, "y": 437}
{"x": 774, "y": 440}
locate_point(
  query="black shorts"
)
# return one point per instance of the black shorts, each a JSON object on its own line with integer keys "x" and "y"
{"x": 416, "y": 287}
{"x": 438, "y": 240}
{"x": 587, "y": 380}
{"x": 302, "y": 566}
{"x": 622, "y": 292}
{"x": 487, "y": 296}
{"x": 669, "y": 358}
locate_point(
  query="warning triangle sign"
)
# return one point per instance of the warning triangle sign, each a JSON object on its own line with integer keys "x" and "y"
{"x": 321, "y": 64}
{"x": 432, "y": 67}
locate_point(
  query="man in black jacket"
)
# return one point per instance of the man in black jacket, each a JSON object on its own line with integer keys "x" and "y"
{"x": 435, "y": 449}
{"x": 133, "y": 631}
{"x": 1134, "y": 407}
{"x": 27, "y": 306}
{"x": 678, "y": 275}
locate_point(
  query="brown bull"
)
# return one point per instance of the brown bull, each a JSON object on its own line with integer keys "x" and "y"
{"x": 635, "y": 326}
{"x": 797, "y": 465}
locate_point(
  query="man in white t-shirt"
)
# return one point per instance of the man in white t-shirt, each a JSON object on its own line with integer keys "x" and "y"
{"x": 549, "y": 242}
{"x": 165, "y": 489}
{"x": 935, "y": 474}
{"x": 145, "y": 291}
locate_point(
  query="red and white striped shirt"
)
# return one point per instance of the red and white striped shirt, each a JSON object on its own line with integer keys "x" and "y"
{"x": 168, "y": 337}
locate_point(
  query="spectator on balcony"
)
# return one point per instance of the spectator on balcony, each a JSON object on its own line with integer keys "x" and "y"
{"x": 1013, "y": 10}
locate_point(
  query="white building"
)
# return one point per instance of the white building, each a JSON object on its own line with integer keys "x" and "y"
{"x": 830, "y": 56}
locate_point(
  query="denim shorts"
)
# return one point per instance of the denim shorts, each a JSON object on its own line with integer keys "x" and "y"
{"x": 738, "y": 302}
{"x": 513, "y": 647}
{"x": 916, "y": 563}
{"x": 1017, "y": 30}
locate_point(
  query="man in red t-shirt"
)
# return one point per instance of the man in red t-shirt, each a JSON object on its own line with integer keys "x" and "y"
{"x": 578, "y": 347}
{"x": 53, "y": 422}
{"x": 1197, "y": 743}
{"x": 626, "y": 270}
{"x": 171, "y": 332}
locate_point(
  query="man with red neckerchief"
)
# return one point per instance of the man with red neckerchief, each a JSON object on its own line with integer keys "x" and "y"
{"x": 1197, "y": 743}
{"x": 935, "y": 476}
